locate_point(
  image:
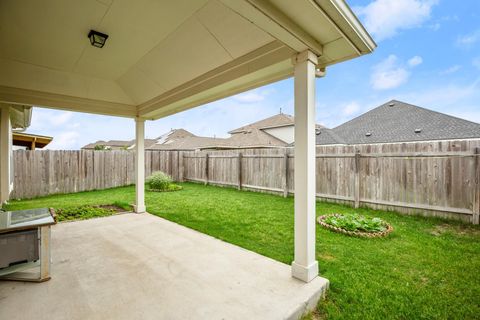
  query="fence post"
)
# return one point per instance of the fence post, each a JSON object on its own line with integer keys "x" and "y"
{"x": 206, "y": 168}
{"x": 285, "y": 174}
{"x": 170, "y": 163}
{"x": 476, "y": 188}
{"x": 181, "y": 167}
{"x": 239, "y": 166}
{"x": 356, "y": 179}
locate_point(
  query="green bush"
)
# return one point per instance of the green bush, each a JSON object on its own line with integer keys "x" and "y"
{"x": 356, "y": 222}
{"x": 159, "y": 181}
{"x": 100, "y": 147}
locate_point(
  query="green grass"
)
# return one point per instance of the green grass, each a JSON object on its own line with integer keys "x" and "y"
{"x": 426, "y": 269}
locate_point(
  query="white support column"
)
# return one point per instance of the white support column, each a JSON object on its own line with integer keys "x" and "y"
{"x": 304, "y": 266}
{"x": 5, "y": 152}
{"x": 139, "y": 165}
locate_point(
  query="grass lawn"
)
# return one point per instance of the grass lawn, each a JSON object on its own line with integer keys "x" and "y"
{"x": 426, "y": 269}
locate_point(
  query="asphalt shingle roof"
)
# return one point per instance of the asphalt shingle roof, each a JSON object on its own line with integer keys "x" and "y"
{"x": 277, "y": 120}
{"x": 327, "y": 136}
{"x": 189, "y": 143}
{"x": 397, "y": 121}
{"x": 110, "y": 143}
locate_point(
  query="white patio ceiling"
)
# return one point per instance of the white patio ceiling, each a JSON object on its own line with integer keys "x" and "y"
{"x": 162, "y": 57}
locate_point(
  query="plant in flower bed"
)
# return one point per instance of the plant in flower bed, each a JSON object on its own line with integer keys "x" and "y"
{"x": 160, "y": 181}
{"x": 355, "y": 224}
{"x": 85, "y": 212}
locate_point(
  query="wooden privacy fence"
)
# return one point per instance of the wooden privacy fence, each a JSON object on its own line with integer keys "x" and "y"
{"x": 430, "y": 178}
{"x": 434, "y": 178}
{"x": 39, "y": 173}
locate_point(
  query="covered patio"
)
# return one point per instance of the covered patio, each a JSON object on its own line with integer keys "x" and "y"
{"x": 132, "y": 266}
{"x": 161, "y": 58}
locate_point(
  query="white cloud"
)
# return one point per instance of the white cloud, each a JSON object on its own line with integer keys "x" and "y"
{"x": 351, "y": 108}
{"x": 219, "y": 117}
{"x": 249, "y": 97}
{"x": 47, "y": 118}
{"x": 415, "y": 61}
{"x": 64, "y": 141}
{"x": 457, "y": 99}
{"x": 435, "y": 26}
{"x": 476, "y": 62}
{"x": 71, "y": 130}
{"x": 451, "y": 70}
{"x": 252, "y": 96}
{"x": 451, "y": 96}
{"x": 386, "y": 18}
{"x": 61, "y": 118}
{"x": 469, "y": 39}
{"x": 389, "y": 74}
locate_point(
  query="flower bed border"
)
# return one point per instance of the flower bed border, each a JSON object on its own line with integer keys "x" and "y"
{"x": 157, "y": 190}
{"x": 360, "y": 234}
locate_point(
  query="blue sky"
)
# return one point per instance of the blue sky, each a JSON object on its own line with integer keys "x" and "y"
{"x": 428, "y": 54}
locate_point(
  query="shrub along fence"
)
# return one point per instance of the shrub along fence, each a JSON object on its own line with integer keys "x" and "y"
{"x": 429, "y": 178}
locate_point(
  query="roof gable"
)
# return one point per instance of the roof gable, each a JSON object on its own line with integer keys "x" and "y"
{"x": 278, "y": 120}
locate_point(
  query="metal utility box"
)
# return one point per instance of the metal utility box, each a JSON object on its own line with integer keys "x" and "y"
{"x": 25, "y": 244}
{"x": 18, "y": 247}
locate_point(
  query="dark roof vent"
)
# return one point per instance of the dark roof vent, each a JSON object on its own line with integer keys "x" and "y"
{"x": 368, "y": 134}
{"x": 317, "y": 131}
{"x": 391, "y": 104}
{"x": 418, "y": 130}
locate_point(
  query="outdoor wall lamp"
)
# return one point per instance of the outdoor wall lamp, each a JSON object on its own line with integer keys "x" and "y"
{"x": 97, "y": 39}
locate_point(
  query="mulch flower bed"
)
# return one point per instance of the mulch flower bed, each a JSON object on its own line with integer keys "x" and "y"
{"x": 362, "y": 234}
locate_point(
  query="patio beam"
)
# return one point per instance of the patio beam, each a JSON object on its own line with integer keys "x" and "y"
{"x": 5, "y": 151}
{"x": 65, "y": 102}
{"x": 305, "y": 266}
{"x": 139, "y": 165}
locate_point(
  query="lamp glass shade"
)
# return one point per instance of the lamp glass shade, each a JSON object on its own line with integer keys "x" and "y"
{"x": 97, "y": 39}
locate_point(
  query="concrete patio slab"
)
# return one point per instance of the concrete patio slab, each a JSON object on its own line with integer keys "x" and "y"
{"x": 139, "y": 266}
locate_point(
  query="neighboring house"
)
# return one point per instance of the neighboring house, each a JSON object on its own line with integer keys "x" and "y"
{"x": 150, "y": 144}
{"x": 190, "y": 143}
{"x": 273, "y": 132}
{"x": 109, "y": 145}
{"x": 173, "y": 135}
{"x": 277, "y": 130}
{"x": 397, "y": 121}
{"x": 29, "y": 141}
{"x": 167, "y": 140}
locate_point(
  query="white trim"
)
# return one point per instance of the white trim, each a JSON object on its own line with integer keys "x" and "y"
{"x": 355, "y": 25}
{"x": 278, "y": 126}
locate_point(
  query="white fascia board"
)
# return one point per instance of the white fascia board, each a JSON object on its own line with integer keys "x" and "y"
{"x": 340, "y": 14}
